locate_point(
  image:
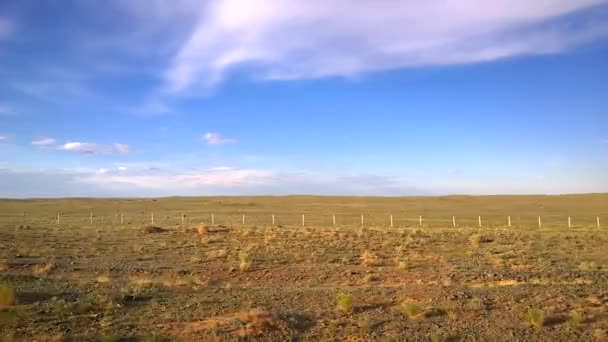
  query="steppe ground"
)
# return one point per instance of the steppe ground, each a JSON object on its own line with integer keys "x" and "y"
{"x": 110, "y": 281}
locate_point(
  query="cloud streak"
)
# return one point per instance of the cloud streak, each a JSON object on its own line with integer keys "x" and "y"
{"x": 43, "y": 142}
{"x": 295, "y": 39}
{"x": 93, "y": 148}
{"x": 217, "y": 139}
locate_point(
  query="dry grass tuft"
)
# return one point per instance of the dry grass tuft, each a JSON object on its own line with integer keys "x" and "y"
{"x": 477, "y": 239}
{"x": 103, "y": 279}
{"x": 369, "y": 258}
{"x": 245, "y": 261}
{"x": 44, "y": 269}
{"x": 201, "y": 228}
{"x": 412, "y": 311}
{"x": 217, "y": 254}
{"x": 141, "y": 281}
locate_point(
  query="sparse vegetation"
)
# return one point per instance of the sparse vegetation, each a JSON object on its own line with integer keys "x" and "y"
{"x": 344, "y": 302}
{"x": 412, "y": 311}
{"x": 245, "y": 261}
{"x": 536, "y": 317}
{"x": 575, "y": 319}
{"x": 88, "y": 281}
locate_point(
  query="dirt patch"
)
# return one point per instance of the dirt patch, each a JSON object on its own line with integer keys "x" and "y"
{"x": 243, "y": 324}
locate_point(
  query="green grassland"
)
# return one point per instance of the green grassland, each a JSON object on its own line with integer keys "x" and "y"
{"x": 108, "y": 281}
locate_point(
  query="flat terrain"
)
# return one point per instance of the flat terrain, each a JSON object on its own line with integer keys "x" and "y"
{"x": 107, "y": 281}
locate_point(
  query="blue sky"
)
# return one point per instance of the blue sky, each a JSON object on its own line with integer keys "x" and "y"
{"x": 383, "y": 97}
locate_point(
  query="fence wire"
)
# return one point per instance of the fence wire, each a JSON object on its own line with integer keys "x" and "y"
{"x": 403, "y": 220}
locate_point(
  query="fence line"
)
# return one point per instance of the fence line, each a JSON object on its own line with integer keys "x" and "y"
{"x": 287, "y": 218}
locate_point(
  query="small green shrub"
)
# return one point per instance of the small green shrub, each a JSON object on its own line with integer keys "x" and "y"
{"x": 576, "y": 319}
{"x": 536, "y": 317}
{"x": 344, "y": 303}
{"x": 245, "y": 262}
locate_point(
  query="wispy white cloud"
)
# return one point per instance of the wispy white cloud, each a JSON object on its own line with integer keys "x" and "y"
{"x": 122, "y": 148}
{"x": 141, "y": 181}
{"x": 3, "y": 137}
{"x": 93, "y": 148}
{"x": 217, "y": 139}
{"x": 295, "y": 39}
{"x": 43, "y": 142}
{"x": 180, "y": 181}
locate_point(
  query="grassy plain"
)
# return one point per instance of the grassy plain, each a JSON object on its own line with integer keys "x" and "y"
{"x": 106, "y": 281}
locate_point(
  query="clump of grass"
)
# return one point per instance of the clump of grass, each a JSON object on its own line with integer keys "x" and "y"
{"x": 401, "y": 264}
{"x": 576, "y": 319}
{"x": 142, "y": 282}
{"x": 412, "y": 311}
{"x": 7, "y": 296}
{"x": 600, "y": 334}
{"x": 217, "y": 254}
{"x": 3, "y": 265}
{"x": 103, "y": 279}
{"x": 368, "y": 258}
{"x": 44, "y": 269}
{"x": 202, "y": 229}
{"x": 365, "y": 323}
{"x": 536, "y": 317}
{"x": 245, "y": 261}
{"x": 344, "y": 303}
{"x": 588, "y": 266}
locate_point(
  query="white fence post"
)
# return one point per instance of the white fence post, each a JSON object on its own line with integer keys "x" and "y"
{"x": 333, "y": 218}
{"x": 569, "y": 222}
{"x": 509, "y": 220}
{"x": 243, "y": 219}
{"x": 152, "y": 217}
{"x": 540, "y": 222}
{"x": 303, "y": 221}
{"x": 597, "y": 219}
{"x": 58, "y": 218}
{"x": 91, "y": 217}
{"x": 362, "y": 220}
{"x": 273, "y": 219}
{"x": 420, "y": 221}
{"x": 392, "y": 221}
{"x": 480, "y": 221}
{"x": 454, "y": 221}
